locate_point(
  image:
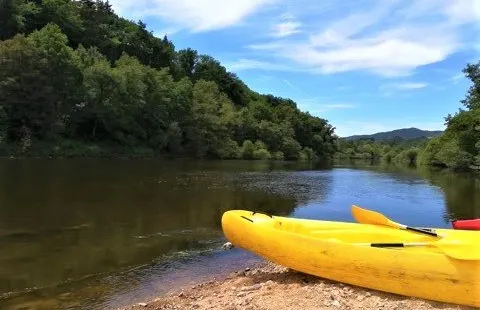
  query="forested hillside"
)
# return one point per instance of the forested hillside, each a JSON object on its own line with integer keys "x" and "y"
{"x": 76, "y": 78}
{"x": 459, "y": 146}
{"x": 404, "y": 133}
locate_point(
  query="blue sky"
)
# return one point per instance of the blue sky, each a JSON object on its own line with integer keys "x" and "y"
{"x": 364, "y": 65}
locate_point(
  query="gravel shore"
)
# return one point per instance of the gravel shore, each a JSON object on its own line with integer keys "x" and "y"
{"x": 272, "y": 287}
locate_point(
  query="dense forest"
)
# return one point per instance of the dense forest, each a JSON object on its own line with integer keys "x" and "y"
{"x": 76, "y": 79}
{"x": 398, "y": 150}
{"x": 457, "y": 148}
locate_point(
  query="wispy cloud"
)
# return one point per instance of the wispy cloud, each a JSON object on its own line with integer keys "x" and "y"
{"x": 457, "y": 78}
{"x": 196, "y": 16}
{"x": 387, "y": 38}
{"x": 296, "y": 88}
{"x": 405, "y": 86}
{"x": 317, "y": 106}
{"x": 248, "y": 64}
{"x": 391, "y": 89}
{"x": 160, "y": 33}
{"x": 286, "y": 27}
{"x": 457, "y": 12}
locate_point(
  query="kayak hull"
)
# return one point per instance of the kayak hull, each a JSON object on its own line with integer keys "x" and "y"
{"x": 322, "y": 248}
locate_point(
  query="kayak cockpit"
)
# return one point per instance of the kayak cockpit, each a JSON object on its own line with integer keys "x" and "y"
{"x": 341, "y": 231}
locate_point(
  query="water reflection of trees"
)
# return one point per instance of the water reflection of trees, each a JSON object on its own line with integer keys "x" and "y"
{"x": 462, "y": 192}
{"x": 61, "y": 220}
{"x": 461, "y": 189}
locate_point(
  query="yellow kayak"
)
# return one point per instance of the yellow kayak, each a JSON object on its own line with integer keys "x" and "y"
{"x": 342, "y": 252}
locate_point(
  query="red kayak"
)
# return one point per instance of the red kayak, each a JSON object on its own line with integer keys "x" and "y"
{"x": 467, "y": 224}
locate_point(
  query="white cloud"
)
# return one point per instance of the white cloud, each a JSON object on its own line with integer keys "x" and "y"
{"x": 389, "y": 54}
{"x": 247, "y": 64}
{"x": 390, "y": 38}
{"x": 160, "y": 33}
{"x": 405, "y": 86}
{"x": 285, "y": 29}
{"x": 197, "y": 16}
{"x": 384, "y": 37}
{"x": 456, "y": 12}
{"x": 389, "y": 90}
{"x": 463, "y": 11}
{"x": 315, "y": 106}
{"x": 339, "y": 32}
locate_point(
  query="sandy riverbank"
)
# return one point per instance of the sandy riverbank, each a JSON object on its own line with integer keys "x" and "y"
{"x": 272, "y": 287}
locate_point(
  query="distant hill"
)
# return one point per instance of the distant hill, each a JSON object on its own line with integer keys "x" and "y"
{"x": 405, "y": 133}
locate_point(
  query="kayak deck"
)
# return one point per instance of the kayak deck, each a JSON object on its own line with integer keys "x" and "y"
{"x": 354, "y": 234}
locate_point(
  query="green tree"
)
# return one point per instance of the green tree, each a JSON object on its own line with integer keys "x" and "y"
{"x": 186, "y": 61}
{"x": 209, "y": 69}
{"x": 262, "y": 154}
{"x": 26, "y": 90}
{"x": 260, "y": 151}
{"x": 13, "y": 16}
{"x": 64, "y": 74}
{"x": 457, "y": 148}
{"x": 452, "y": 155}
{"x": 174, "y": 138}
{"x": 212, "y": 119}
{"x": 291, "y": 148}
{"x": 91, "y": 118}
{"x": 248, "y": 149}
{"x": 307, "y": 154}
{"x": 278, "y": 155}
{"x": 228, "y": 149}
{"x": 64, "y": 13}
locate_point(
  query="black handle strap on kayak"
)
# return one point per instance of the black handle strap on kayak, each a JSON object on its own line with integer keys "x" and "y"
{"x": 260, "y": 212}
{"x": 423, "y": 231}
{"x": 426, "y": 229}
{"x": 387, "y": 245}
{"x": 246, "y": 218}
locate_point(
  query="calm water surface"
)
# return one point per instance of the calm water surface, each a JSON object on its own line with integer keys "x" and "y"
{"x": 100, "y": 234}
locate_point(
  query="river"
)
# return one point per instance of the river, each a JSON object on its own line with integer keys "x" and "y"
{"x": 101, "y": 234}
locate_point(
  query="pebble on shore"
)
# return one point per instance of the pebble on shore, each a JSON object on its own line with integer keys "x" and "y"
{"x": 272, "y": 287}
